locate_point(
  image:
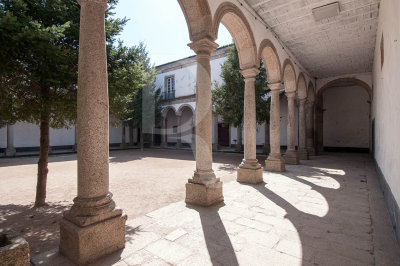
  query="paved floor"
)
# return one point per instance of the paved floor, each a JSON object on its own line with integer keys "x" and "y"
{"x": 327, "y": 211}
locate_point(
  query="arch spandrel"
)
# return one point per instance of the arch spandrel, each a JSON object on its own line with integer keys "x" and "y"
{"x": 269, "y": 55}
{"x": 355, "y": 81}
{"x": 198, "y": 18}
{"x": 289, "y": 76}
{"x": 236, "y": 23}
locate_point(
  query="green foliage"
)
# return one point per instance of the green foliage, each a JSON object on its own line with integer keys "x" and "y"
{"x": 228, "y": 99}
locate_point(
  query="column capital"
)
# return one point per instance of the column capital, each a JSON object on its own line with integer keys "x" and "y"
{"x": 275, "y": 86}
{"x": 290, "y": 94}
{"x": 250, "y": 73}
{"x": 203, "y": 46}
{"x": 100, "y": 2}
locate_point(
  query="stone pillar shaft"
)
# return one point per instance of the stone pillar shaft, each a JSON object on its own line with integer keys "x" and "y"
{"x": 250, "y": 170}
{"x": 93, "y": 227}
{"x": 310, "y": 127}
{"x": 203, "y": 188}
{"x": 275, "y": 162}
{"x": 10, "y": 150}
{"x": 303, "y": 154}
{"x": 178, "y": 132}
{"x": 291, "y": 155}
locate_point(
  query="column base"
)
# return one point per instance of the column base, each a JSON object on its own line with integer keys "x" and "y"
{"x": 275, "y": 164}
{"x": 123, "y": 145}
{"x": 238, "y": 148}
{"x": 250, "y": 171}
{"x": 311, "y": 151}
{"x": 215, "y": 147}
{"x": 83, "y": 245}
{"x": 204, "y": 189}
{"x": 291, "y": 157}
{"x": 163, "y": 145}
{"x": 11, "y": 152}
{"x": 303, "y": 154}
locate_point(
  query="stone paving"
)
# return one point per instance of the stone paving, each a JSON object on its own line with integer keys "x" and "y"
{"x": 327, "y": 211}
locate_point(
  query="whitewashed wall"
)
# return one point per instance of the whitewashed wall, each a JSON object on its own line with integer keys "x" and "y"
{"x": 386, "y": 100}
{"x": 346, "y": 117}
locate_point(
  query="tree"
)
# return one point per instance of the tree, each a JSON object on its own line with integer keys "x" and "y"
{"x": 145, "y": 106}
{"x": 228, "y": 98}
{"x": 39, "y": 43}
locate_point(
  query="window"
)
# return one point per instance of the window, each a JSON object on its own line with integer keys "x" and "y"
{"x": 169, "y": 88}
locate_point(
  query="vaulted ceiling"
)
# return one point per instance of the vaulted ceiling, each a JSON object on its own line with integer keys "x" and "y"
{"x": 343, "y": 44}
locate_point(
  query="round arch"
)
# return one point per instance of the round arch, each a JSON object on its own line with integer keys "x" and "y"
{"x": 267, "y": 52}
{"x": 320, "y": 107}
{"x": 310, "y": 92}
{"x": 235, "y": 21}
{"x": 198, "y": 18}
{"x": 301, "y": 86}
{"x": 345, "y": 80}
{"x": 289, "y": 76}
{"x": 167, "y": 109}
{"x": 185, "y": 106}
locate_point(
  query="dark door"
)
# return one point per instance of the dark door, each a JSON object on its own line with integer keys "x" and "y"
{"x": 223, "y": 135}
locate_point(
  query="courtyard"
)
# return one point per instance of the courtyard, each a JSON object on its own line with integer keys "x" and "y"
{"x": 327, "y": 211}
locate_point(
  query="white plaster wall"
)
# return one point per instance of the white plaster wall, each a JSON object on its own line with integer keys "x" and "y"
{"x": 386, "y": 100}
{"x": 260, "y": 134}
{"x": 346, "y": 117}
{"x": 115, "y": 134}
{"x": 185, "y": 77}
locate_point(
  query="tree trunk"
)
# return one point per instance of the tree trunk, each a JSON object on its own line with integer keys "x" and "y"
{"x": 43, "y": 160}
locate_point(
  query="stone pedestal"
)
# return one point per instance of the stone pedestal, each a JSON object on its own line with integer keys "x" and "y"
{"x": 291, "y": 157}
{"x": 204, "y": 195}
{"x": 14, "y": 250}
{"x": 88, "y": 243}
{"x": 303, "y": 154}
{"x": 250, "y": 171}
{"x": 203, "y": 188}
{"x": 275, "y": 162}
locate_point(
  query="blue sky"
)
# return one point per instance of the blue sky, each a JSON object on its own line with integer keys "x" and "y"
{"x": 160, "y": 24}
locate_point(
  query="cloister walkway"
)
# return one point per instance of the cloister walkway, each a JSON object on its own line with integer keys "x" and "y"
{"x": 327, "y": 211}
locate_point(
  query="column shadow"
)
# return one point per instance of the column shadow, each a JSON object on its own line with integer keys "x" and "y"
{"x": 218, "y": 243}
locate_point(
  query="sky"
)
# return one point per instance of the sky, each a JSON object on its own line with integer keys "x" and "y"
{"x": 161, "y": 25}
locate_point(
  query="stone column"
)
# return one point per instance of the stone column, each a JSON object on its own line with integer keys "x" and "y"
{"x": 164, "y": 143}
{"x": 178, "y": 132}
{"x": 123, "y": 138}
{"x": 275, "y": 162}
{"x": 310, "y": 127}
{"x": 303, "y": 154}
{"x": 291, "y": 155}
{"x": 215, "y": 123}
{"x": 250, "y": 171}
{"x": 203, "y": 188}
{"x": 93, "y": 227}
{"x": 10, "y": 150}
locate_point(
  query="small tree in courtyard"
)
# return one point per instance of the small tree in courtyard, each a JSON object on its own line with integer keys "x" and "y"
{"x": 228, "y": 98}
